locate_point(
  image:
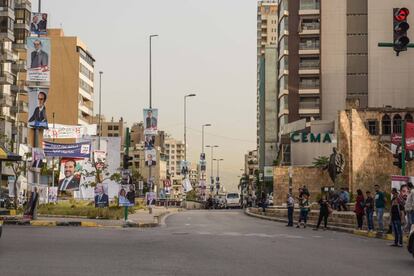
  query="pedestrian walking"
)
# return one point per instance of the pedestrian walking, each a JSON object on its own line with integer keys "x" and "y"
{"x": 304, "y": 209}
{"x": 324, "y": 211}
{"x": 290, "y": 202}
{"x": 343, "y": 200}
{"x": 359, "y": 208}
{"x": 380, "y": 202}
{"x": 396, "y": 218}
{"x": 369, "y": 211}
{"x": 409, "y": 206}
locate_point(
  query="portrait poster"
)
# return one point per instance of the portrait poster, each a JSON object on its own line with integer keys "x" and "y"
{"x": 185, "y": 167}
{"x": 150, "y": 121}
{"x": 150, "y": 157}
{"x": 101, "y": 195}
{"x": 126, "y": 195}
{"x": 52, "y": 194}
{"x": 69, "y": 176}
{"x": 38, "y": 23}
{"x": 37, "y": 107}
{"x": 37, "y": 158}
{"x": 38, "y": 59}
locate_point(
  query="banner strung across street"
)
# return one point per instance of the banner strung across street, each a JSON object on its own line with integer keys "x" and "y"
{"x": 37, "y": 107}
{"x": 101, "y": 195}
{"x": 76, "y": 150}
{"x": 150, "y": 157}
{"x": 38, "y": 25}
{"x": 65, "y": 131}
{"x": 150, "y": 121}
{"x": 38, "y": 59}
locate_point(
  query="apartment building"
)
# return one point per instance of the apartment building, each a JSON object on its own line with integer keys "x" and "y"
{"x": 174, "y": 154}
{"x": 266, "y": 81}
{"x": 71, "y": 93}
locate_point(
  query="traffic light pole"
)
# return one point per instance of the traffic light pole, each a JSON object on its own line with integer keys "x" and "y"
{"x": 127, "y": 144}
{"x": 403, "y": 148}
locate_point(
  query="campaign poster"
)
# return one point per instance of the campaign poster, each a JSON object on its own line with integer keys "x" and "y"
{"x": 38, "y": 24}
{"x": 101, "y": 195}
{"x": 149, "y": 141}
{"x": 38, "y": 59}
{"x": 150, "y": 157}
{"x": 150, "y": 198}
{"x": 37, "y": 158}
{"x": 53, "y": 194}
{"x": 99, "y": 158}
{"x": 126, "y": 195}
{"x": 58, "y": 131}
{"x": 37, "y": 107}
{"x": 185, "y": 167}
{"x": 76, "y": 150}
{"x": 70, "y": 176}
{"x": 150, "y": 121}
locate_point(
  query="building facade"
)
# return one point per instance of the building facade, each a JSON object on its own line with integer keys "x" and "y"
{"x": 267, "y": 108}
{"x": 72, "y": 80}
{"x": 174, "y": 154}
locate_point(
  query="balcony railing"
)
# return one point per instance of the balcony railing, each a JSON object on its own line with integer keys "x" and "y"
{"x": 309, "y": 65}
{"x": 309, "y": 105}
{"x": 309, "y": 85}
{"x": 309, "y": 4}
{"x": 310, "y": 26}
{"x": 308, "y": 46}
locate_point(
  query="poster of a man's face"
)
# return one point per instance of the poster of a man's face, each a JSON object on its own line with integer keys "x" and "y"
{"x": 126, "y": 195}
{"x": 101, "y": 196}
{"x": 150, "y": 121}
{"x": 38, "y": 26}
{"x": 149, "y": 141}
{"x": 37, "y": 156}
{"x": 37, "y": 107}
{"x": 150, "y": 157}
{"x": 38, "y": 57}
{"x": 69, "y": 176}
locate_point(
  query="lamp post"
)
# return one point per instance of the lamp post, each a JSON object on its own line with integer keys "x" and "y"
{"x": 218, "y": 174}
{"x": 212, "y": 156}
{"x": 150, "y": 69}
{"x": 202, "y": 136}
{"x": 185, "y": 123}
{"x": 100, "y": 109}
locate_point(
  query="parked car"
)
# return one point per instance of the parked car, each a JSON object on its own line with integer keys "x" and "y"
{"x": 233, "y": 200}
{"x": 410, "y": 246}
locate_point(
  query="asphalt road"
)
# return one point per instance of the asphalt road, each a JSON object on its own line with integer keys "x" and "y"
{"x": 197, "y": 243}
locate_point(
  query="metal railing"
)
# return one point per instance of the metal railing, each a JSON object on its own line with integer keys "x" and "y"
{"x": 309, "y": 46}
{"x": 309, "y": 65}
{"x": 309, "y": 105}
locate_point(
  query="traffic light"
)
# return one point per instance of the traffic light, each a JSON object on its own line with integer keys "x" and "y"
{"x": 401, "y": 26}
{"x": 126, "y": 161}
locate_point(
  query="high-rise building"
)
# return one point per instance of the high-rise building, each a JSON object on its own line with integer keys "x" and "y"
{"x": 72, "y": 80}
{"x": 329, "y": 60}
{"x": 174, "y": 154}
{"x": 267, "y": 109}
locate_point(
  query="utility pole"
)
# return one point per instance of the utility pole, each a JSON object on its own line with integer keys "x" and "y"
{"x": 100, "y": 114}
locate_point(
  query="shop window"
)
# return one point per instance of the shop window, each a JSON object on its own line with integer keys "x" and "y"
{"x": 396, "y": 124}
{"x": 386, "y": 125}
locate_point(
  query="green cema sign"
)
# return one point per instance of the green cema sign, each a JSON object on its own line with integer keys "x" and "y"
{"x": 303, "y": 137}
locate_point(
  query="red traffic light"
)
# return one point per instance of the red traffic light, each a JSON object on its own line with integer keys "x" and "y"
{"x": 402, "y": 14}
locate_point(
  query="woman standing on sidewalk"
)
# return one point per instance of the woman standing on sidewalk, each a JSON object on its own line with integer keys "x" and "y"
{"x": 359, "y": 208}
{"x": 396, "y": 218}
{"x": 324, "y": 210}
{"x": 369, "y": 210}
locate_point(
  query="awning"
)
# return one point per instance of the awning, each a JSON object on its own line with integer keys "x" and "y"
{"x": 6, "y": 155}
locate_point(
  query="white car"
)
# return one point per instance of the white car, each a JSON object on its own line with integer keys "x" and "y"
{"x": 233, "y": 200}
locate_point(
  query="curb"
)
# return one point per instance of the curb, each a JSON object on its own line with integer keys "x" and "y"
{"x": 362, "y": 233}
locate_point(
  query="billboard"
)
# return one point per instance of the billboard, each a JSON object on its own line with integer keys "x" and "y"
{"x": 37, "y": 158}
{"x": 150, "y": 121}
{"x": 150, "y": 157}
{"x": 38, "y": 59}
{"x": 101, "y": 195}
{"x": 76, "y": 150}
{"x": 66, "y": 131}
{"x": 126, "y": 195}
{"x": 70, "y": 176}
{"x": 37, "y": 107}
{"x": 38, "y": 23}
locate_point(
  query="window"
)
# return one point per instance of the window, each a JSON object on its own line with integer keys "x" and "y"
{"x": 408, "y": 118}
{"x": 6, "y": 24}
{"x": 86, "y": 87}
{"x": 7, "y": 4}
{"x": 85, "y": 71}
{"x": 309, "y": 83}
{"x": 309, "y": 43}
{"x": 309, "y": 103}
{"x": 309, "y": 4}
{"x": 372, "y": 126}
{"x": 22, "y": 16}
{"x": 309, "y": 63}
{"x": 109, "y": 134}
{"x": 116, "y": 134}
{"x": 396, "y": 124}
{"x": 386, "y": 125}
{"x": 116, "y": 127}
{"x": 109, "y": 127}
{"x": 20, "y": 36}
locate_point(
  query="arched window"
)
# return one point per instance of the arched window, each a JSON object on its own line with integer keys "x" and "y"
{"x": 386, "y": 125}
{"x": 396, "y": 123}
{"x": 408, "y": 118}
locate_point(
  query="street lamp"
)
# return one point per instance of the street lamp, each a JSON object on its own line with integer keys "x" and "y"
{"x": 202, "y": 136}
{"x": 185, "y": 123}
{"x": 212, "y": 156}
{"x": 100, "y": 102}
{"x": 150, "y": 69}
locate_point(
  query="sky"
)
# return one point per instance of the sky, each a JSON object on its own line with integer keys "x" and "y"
{"x": 204, "y": 47}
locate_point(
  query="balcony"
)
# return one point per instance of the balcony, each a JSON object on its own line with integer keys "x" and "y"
{"x": 6, "y": 100}
{"x": 23, "y": 4}
{"x": 311, "y": 28}
{"x": 6, "y": 78}
{"x": 309, "y": 68}
{"x": 19, "y": 46}
{"x": 20, "y": 108}
{"x": 6, "y": 35}
{"x": 85, "y": 109}
{"x": 19, "y": 66}
{"x": 20, "y": 86}
{"x": 309, "y": 105}
{"x": 309, "y": 7}
{"x": 309, "y": 48}
{"x": 6, "y": 55}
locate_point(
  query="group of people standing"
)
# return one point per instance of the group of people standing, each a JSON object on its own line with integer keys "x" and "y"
{"x": 401, "y": 210}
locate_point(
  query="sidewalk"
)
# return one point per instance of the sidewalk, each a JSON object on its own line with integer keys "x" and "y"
{"x": 140, "y": 218}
